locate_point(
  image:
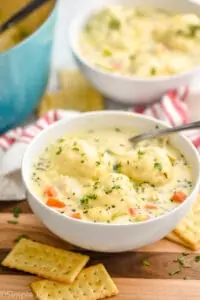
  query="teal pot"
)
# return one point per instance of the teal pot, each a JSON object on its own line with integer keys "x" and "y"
{"x": 24, "y": 71}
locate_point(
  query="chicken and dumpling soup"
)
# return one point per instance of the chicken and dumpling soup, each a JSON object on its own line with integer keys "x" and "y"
{"x": 98, "y": 176}
{"x": 141, "y": 41}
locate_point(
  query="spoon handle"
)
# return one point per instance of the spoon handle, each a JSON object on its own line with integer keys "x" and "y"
{"x": 22, "y": 13}
{"x": 157, "y": 133}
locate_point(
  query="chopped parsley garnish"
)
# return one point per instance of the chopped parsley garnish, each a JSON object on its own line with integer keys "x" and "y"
{"x": 86, "y": 198}
{"x": 75, "y": 149}
{"x": 117, "y": 167}
{"x": 146, "y": 263}
{"x": 117, "y": 130}
{"x": 110, "y": 151}
{"x": 61, "y": 140}
{"x": 193, "y": 30}
{"x": 180, "y": 260}
{"x": 116, "y": 187}
{"x": 185, "y": 253}
{"x": 153, "y": 71}
{"x": 174, "y": 272}
{"x": 114, "y": 24}
{"x": 107, "y": 52}
{"x": 96, "y": 185}
{"x": 109, "y": 191}
{"x": 59, "y": 151}
{"x": 158, "y": 166}
{"x": 140, "y": 154}
{"x": 16, "y": 212}
{"x": 82, "y": 161}
{"x": 98, "y": 163}
{"x": 22, "y": 236}
{"x": 132, "y": 57}
{"x": 12, "y": 222}
{"x": 197, "y": 258}
{"x": 117, "y": 215}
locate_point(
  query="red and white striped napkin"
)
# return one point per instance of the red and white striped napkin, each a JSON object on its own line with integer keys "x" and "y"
{"x": 172, "y": 109}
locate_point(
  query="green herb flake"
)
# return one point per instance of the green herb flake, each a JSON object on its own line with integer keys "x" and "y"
{"x": 114, "y": 24}
{"x": 197, "y": 258}
{"x": 86, "y": 198}
{"x": 174, "y": 272}
{"x": 98, "y": 163}
{"x": 22, "y": 236}
{"x": 180, "y": 260}
{"x": 109, "y": 191}
{"x": 106, "y": 53}
{"x": 12, "y": 222}
{"x": 61, "y": 140}
{"x": 193, "y": 30}
{"x": 153, "y": 71}
{"x": 140, "y": 154}
{"x": 109, "y": 151}
{"x": 157, "y": 166}
{"x": 117, "y": 167}
{"x": 58, "y": 152}
{"x": 16, "y": 212}
{"x": 132, "y": 57}
{"x": 146, "y": 263}
{"x": 117, "y": 130}
{"x": 75, "y": 149}
{"x": 116, "y": 187}
{"x": 185, "y": 253}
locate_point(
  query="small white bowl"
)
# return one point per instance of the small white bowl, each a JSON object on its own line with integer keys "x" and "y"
{"x": 130, "y": 89}
{"x": 100, "y": 236}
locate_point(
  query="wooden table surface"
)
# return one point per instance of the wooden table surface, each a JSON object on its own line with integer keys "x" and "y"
{"x": 134, "y": 280}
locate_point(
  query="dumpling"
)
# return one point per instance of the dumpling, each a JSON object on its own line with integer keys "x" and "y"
{"x": 180, "y": 32}
{"x": 76, "y": 157}
{"x": 68, "y": 186}
{"x": 99, "y": 214}
{"x": 150, "y": 164}
{"x": 116, "y": 192}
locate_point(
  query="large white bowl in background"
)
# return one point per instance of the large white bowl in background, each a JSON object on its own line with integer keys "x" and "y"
{"x": 128, "y": 89}
{"x": 99, "y": 236}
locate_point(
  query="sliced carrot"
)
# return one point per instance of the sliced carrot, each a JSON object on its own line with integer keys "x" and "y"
{"x": 151, "y": 206}
{"x": 75, "y": 216}
{"x": 179, "y": 197}
{"x": 50, "y": 191}
{"x": 132, "y": 211}
{"x": 54, "y": 202}
{"x": 117, "y": 65}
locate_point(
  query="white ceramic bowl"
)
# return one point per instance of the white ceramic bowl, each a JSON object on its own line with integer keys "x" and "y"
{"x": 127, "y": 89}
{"x": 99, "y": 236}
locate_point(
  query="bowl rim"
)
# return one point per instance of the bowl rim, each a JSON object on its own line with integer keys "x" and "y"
{"x": 33, "y": 34}
{"x": 26, "y": 178}
{"x": 73, "y": 44}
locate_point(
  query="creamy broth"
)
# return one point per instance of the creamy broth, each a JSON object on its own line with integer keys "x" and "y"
{"x": 145, "y": 42}
{"x": 97, "y": 176}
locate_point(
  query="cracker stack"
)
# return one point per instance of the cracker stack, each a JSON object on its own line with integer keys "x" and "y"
{"x": 63, "y": 271}
{"x": 187, "y": 233}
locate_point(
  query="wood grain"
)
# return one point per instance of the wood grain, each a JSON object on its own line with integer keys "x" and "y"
{"x": 17, "y": 287}
{"x": 135, "y": 281}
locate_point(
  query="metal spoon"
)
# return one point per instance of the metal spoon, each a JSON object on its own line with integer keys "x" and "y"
{"x": 21, "y": 14}
{"x": 161, "y": 132}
